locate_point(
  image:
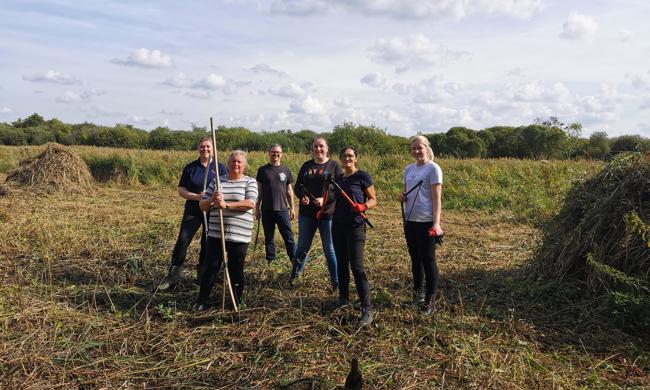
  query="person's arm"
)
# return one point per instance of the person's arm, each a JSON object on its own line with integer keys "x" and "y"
{"x": 436, "y": 206}
{"x": 292, "y": 211}
{"x": 186, "y": 194}
{"x": 206, "y": 204}
{"x": 258, "y": 204}
{"x": 245, "y": 204}
{"x": 371, "y": 197}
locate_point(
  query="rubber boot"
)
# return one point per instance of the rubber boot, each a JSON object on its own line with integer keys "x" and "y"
{"x": 366, "y": 317}
{"x": 172, "y": 279}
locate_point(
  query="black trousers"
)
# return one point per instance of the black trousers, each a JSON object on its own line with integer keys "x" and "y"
{"x": 422, "y": 250}
{"x": 280, "y": 218}
{"x": 349, "y": 244}
{"x": 214, "y": 260}
{"x": 189, "y": 225}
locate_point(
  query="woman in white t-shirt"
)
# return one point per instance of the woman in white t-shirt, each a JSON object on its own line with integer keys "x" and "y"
{"x": 423, "y": 205}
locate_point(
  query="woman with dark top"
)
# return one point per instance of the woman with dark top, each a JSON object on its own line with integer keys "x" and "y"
{"x": 236, "y": 199}
{"x": 422, "y": 220}
{"x": 190, "y": 188}
{"x": 349, "y": 230}
{"x": 316, "y": 209}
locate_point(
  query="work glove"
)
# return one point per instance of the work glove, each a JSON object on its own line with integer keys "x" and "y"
{"x": 437, "y": 235}
{"x": 359, "y": 207}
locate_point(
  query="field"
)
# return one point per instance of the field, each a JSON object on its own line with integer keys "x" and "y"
{"x": 79, "y": 270}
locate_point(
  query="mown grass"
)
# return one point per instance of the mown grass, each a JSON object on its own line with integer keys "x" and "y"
{"x": 78, "y": 308}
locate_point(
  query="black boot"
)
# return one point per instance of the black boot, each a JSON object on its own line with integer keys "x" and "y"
{"x": 172, "y": 279}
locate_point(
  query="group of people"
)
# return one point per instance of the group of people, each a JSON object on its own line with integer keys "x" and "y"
{"x": 333, "y": 198}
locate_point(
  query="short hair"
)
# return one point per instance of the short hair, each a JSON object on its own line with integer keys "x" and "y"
{"x": 317, "y": 138}
{"x": 203, "y": 139}
{"x": 275, "y": 146}
{"x": 239, "y": 152}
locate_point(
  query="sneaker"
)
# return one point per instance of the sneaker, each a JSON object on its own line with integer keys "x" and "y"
{"x": 366, "y": 317}
{"x": 172, "y": 279}
{"x": 418, "y": 297}
{"x": 427, "y": 307}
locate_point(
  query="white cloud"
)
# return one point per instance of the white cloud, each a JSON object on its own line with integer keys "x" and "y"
{"x": 5, "y": 110}
{"x": 264, "y": 68}
{"x": 412, "y": 52}
{"x": 52, "y": 76}
{"x": 626, "y": 35}
{"x": 145, "y": 58}
{"x": 141, "y": 120}
{"x": 375, "y": 79}
{"x": 406, "y": 9}
{"x": 645, "y": 104}
{"x": 165, "y": 111}
{"x": 578, "y": 26}
{"x": 104, "y": 111}
{"x": 308, "y": 105}
{"x": 180, "y": 80}
{"x": 211, "y": 82}
{"x": 640, "y": 81}
{"x": 430, "y": 90}
{"x": 74, "y": 97}
{"x": 291, "y": 90}
{"x": 342, "y": 102}
{"x": 537, "y": 91}
{"x": 203, "y": 95}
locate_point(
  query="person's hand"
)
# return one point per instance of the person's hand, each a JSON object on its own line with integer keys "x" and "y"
{"x": 200, "y": 194}
{"x": 402, "y": 197}
{"x": 292, "y": 214}
{"x": 436, "y": 231}
{"x": 359, "y": 207}
{"x": 318, "y": 202}
{"x": 305, "y": 200}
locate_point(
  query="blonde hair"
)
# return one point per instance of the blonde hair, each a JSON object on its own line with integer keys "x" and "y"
{"x": 424, "y": 141}
{"x": 239, "y": 152}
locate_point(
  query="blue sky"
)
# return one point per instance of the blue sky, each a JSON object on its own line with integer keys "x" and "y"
{"x": 406, "y": 66}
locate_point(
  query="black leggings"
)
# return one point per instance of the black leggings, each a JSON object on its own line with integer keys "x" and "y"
{"x": 349, "y": 243}
{"x": 422, "y": 250}
{"x": 189, "y": 225}
{"x": 214, "y": 259}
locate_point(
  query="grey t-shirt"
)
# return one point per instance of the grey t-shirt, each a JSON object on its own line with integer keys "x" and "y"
{"x": 418, "y": 206}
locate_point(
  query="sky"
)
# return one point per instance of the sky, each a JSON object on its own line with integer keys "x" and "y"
{"x": 405, "y": 66}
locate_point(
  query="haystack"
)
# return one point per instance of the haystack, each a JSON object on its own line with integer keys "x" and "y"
{"x": 57, "y": 169}
{"x": 602, "y": 233}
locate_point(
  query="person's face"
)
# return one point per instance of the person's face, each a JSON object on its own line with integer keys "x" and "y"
{"x": 419, "y": 151}
{"x": 275, "y": 155}
{"x": 236, "y": 164}
{"x": 205, "y": 149}
{"x": 319, "y": 149}
{"x": 348, "y": 158}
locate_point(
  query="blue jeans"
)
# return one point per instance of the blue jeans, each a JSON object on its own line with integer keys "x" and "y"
{"x": 306, "y": 230}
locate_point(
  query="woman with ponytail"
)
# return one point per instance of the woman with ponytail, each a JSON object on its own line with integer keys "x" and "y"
{"x": 422, "y": 221}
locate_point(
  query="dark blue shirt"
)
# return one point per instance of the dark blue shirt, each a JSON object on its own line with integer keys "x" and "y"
{"x": 192, "y": 179}
{"x": 353, "y": 185}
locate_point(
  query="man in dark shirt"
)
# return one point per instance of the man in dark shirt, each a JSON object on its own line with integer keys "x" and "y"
{"x": 275, "y": 203}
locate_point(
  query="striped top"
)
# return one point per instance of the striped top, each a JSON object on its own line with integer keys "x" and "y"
{"x": 237, "y": 224}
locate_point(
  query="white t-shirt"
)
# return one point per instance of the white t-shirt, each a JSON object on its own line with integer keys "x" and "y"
{"x": 418, "y": 206}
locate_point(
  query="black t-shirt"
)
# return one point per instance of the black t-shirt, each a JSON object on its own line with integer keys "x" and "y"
{"x": 192, "y": 180}
{"x": 353, "y": 185}
{"x": 313, "y": 176}
{"x": 274, "y": 180}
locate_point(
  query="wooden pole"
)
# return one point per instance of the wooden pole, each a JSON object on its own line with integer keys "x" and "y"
{"x": 223, "y": 235}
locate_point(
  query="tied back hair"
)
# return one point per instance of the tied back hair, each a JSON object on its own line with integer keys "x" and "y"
{"x": 424, "y": 141}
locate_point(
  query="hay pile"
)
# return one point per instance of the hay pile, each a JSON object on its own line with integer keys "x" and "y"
{"x": 602, "y": 234}
{"x": 57, "y": 169}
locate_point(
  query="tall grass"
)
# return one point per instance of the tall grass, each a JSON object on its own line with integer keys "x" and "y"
{"x": 530, "y": 190}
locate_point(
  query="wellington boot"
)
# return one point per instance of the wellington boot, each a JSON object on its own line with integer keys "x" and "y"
{"x": 427, "y": 308}
{"x": 418, "y": 297}
{"x": 172, "y": 279}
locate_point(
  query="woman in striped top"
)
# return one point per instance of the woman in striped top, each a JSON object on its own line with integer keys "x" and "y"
{"x": 236, "y": 200}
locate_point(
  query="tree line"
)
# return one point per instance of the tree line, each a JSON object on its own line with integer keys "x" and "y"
{"x": 544, "y": 139}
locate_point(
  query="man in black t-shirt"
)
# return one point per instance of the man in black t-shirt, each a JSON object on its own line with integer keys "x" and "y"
{"x": 275, "y": 203}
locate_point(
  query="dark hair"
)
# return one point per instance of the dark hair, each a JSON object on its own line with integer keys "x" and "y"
{"x": 317, "y": 138}
{"x": 343, "y": 149}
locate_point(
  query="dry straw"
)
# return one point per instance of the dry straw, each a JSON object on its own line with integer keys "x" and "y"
{"x": 603, "y": 231}
{"x": 56, "y": 170}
